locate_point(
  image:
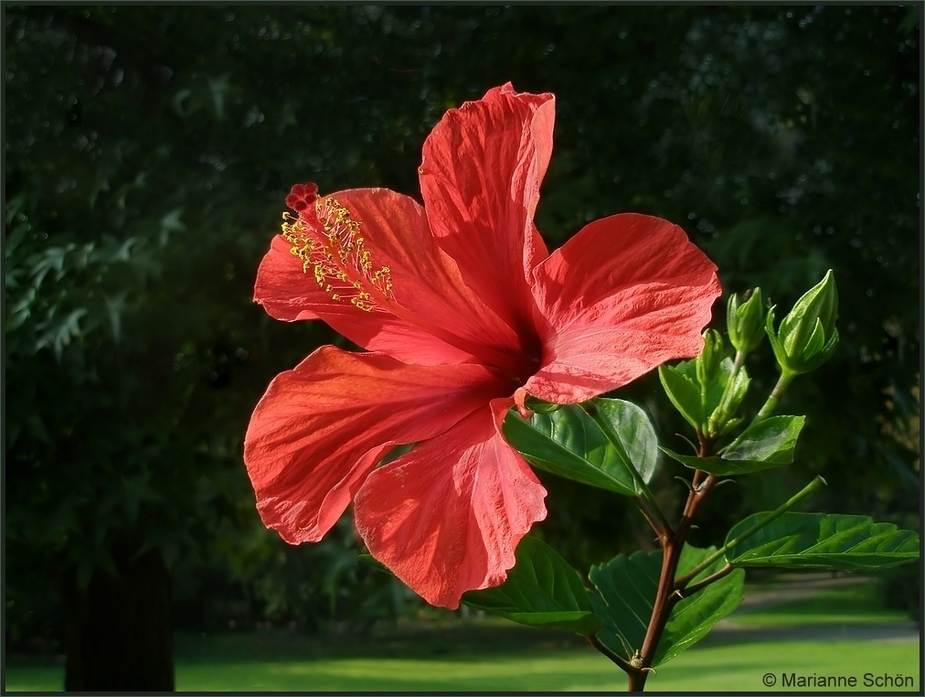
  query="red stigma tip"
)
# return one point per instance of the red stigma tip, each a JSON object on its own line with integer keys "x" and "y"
{"x": 301, "y": 196}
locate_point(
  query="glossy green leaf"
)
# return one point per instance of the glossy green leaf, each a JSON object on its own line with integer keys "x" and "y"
{"x": 763, "y": 445}
{"x": 770, "y": 440}
{"x": 542, "y": 590}
{"x": 684, "y": 393}
{"x": 568, "y": 443}
{"x": 822, "y": 541}
{"x": 627, "y": 587}
{"x": 717, "y": 465}
{"x": 631, "y": 434}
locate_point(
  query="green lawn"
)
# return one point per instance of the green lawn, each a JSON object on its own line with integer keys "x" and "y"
{"x": 496, "y": 656}
{"x": 722, "y": 668}
{"x": 849, "y": 605}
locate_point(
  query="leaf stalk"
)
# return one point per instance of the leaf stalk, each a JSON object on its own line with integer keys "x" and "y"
{"x": 786, "y": 377}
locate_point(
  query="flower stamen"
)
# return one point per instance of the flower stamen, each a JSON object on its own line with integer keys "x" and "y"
{"x": 328, "y": 242}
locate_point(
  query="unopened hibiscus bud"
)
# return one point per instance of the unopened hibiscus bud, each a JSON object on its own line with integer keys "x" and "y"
{"x": 709, "y": 360}
{"x": 745, "y": 320}
{"x": 807, "y": 336}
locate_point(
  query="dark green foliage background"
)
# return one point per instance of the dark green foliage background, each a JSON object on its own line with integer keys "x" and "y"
{"x": 148, "y": 151}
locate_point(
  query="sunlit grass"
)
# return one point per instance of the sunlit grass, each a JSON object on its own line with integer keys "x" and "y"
{"x": 495, "y": 656}
{"x": 739, "y": 667}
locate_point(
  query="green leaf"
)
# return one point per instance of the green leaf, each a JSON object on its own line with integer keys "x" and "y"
{"x": 763, "y": 445}
{"x": 568, "y": 443}
{"x": 822, "y": 541}
{"x": 628, "y": 586}
{"x": 684, "y": 393}
{"x": 61, "y": 331}
{"x": 52, "y": 259}
{"x": 717, "y": 465}
{"x": 631, "y": 435}
{"x": 542, "y": 590}
{"x": 770, "y": 440}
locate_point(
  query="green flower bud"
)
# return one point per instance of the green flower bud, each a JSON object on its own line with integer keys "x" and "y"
{"x": 745, "y": 320}
{"x": 710, "y": 358}
{"x": 807, "y": 336}
{"x": 736, "y": 385}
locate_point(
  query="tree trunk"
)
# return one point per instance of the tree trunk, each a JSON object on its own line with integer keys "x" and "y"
{"x": 119, "y": 630}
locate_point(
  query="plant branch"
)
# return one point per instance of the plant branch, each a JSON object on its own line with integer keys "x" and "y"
{"x": 616, "y": 658}
{"x": 666, "y": 597}
{"x": 817, "y": 483}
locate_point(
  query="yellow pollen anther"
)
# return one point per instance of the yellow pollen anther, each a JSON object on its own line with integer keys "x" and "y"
{"x": 334, "y": 251}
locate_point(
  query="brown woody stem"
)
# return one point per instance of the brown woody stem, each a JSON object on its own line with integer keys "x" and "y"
{"x": 666, "y": 597}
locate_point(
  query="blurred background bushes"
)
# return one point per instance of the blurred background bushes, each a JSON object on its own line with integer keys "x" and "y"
{"x": 148, "y": 151}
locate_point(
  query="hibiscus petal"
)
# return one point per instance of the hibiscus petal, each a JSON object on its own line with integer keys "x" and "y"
{"x": 320, "y": 429}
{"x": 427, "y": 286}
{"x": 447, "y": 516}
{"x": 480, "y": 179}
{"x": 429, "y": 316}
{"x": 282, "y": 287}
{"x": 624, "y": 295}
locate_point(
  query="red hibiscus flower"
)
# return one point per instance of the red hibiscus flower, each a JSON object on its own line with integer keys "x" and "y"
{"x": 463, "y": 312}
